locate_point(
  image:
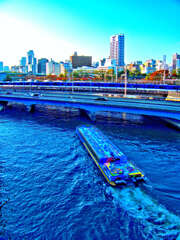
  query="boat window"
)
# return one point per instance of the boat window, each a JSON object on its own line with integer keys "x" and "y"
{"x": 112, "y": 159}
{"x": 117, "y": 159}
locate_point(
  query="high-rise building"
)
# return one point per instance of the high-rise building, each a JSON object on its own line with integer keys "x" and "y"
{"x": 49, "y": 67}
{"x": 66, "y": 67}
{"x": 174, "y": 60}
{"x": 80, "y": 61}
{"x": 23, "y": 62}
{"x": 57, "y": 68}
{"x": 53, "y": 68}
{"x": 32, "y": 62}
{"x": 34, "y": 66}
{"x": 178, "y": 64}
{"x": 1, "y": 67}
{"x": 117, "y": 49}
{"x": 164, "y": 59}
{"x": 6, "y": 69}
{"x": 30, "y": 57}
{"x": 42, "y": 65}
{"x": 23, "y": 68}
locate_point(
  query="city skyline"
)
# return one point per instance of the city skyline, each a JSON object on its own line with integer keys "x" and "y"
{"x": 55, "y": 30}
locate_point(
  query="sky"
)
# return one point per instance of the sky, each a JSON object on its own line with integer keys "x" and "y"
{"x": 56, "y": 28}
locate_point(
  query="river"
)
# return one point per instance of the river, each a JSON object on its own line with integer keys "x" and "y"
{"x": 51, "y": 189}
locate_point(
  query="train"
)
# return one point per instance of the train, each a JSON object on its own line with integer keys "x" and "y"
{"x": 93, "y": 85}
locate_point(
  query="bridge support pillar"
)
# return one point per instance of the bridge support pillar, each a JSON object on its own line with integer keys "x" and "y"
{"x": 30, "y": 108}
{"x": 172, "y": 122}
{"x": 89, "y": 114}
{"x": 3, "y": 105}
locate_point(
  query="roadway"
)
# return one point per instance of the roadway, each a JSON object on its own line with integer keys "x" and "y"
{"x": 84, "y": 96}
{"x": 94, "y": 103}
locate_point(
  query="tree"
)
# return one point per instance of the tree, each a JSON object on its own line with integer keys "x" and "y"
{"x": 148, "y": 76}
{"x": 8, "y": 78}
{"x": 61, "y": 75}
{"x": 120, "y": 73}
{"x": 130, "y": 74}
{"x": 178, "y": 73}
{"x": 174, "y": 73}
{"x": 76, "y": 74}
{"x": 158, "y": 75}
{"x": 137, "y": 73}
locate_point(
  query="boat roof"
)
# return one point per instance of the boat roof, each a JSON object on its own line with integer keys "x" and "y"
{"x": 103, "y": 147}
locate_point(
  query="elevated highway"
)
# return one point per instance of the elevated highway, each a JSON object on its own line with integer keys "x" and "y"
{"x": 93, "y": 104}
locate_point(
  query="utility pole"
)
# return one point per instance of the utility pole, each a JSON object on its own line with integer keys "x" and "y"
{"x": 105, "y": 76}
{"x": 164, "y": 77}
{"x": 72, "y": 83}
{"x": 125, "y": 83}
{"x": 116, "y": 74}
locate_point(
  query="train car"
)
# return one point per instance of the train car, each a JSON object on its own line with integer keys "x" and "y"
{"x": 94, "y": 85}
{"x": 109, "y": 159}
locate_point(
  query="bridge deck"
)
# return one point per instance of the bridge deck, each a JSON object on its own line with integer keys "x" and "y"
{"x": 168, "y": 109}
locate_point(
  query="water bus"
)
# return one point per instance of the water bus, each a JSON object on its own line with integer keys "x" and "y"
{"x": 109, "y": 159}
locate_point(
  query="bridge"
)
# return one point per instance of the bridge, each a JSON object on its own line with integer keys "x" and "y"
{"x": 90, "y": 104}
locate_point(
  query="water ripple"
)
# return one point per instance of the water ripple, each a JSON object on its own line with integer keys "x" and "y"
{"x": 51, "y": 188}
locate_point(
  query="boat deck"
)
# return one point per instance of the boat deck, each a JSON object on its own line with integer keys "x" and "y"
{"x": 111, "y": 161}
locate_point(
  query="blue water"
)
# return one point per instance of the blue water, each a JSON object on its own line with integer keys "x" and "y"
{"x": 51, "y": 189}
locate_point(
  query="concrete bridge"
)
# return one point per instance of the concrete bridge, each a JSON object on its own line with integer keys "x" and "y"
{"x": 92, "y": 103}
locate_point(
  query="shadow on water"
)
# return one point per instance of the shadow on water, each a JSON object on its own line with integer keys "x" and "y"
{"x": 62, "y": 114}
{"x": 47, "y": 115}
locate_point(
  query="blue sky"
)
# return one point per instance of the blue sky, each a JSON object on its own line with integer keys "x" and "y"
{"x": 58, "y": 28}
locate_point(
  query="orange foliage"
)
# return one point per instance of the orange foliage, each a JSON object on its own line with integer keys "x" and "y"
{"x": 157, "y": 74}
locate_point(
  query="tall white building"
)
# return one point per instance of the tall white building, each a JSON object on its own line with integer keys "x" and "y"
{"x": 53, "y": 68}
{"x": 49, "y": 67}
{"x": 162, "y": 65}
{"x": 117, "y": 49}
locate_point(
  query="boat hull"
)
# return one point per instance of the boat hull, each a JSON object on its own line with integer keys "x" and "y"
{"x": 119, "y": 172}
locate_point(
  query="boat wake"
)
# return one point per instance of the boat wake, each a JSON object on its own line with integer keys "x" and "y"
{"x": 153, "y": 220}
